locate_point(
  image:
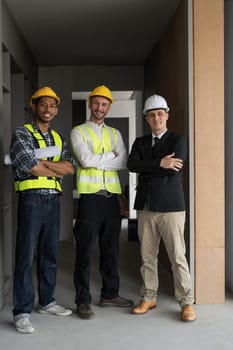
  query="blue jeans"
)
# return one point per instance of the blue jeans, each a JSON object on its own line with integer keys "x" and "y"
{"x": 37, "y": 236}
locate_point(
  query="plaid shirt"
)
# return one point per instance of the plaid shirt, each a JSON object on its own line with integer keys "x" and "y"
{"x": 22, "y": 153}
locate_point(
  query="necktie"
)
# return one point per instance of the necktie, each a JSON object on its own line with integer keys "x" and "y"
{"x": 156, "y": 141}
{"x": 154, "y": 148}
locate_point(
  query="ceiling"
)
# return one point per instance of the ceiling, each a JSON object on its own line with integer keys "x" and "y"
{"x": 91, "y": 32}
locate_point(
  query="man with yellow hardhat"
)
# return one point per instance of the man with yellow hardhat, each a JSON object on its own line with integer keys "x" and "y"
{"x": 100, "y": 152}
{"x": 38, "y": 183}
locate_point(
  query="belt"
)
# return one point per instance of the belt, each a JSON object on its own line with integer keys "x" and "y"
{"x": 104, "y": 193}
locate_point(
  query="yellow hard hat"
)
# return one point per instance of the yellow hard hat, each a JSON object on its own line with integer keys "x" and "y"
{"x": 45, "y": 91}
{"x": 103, "y": 91}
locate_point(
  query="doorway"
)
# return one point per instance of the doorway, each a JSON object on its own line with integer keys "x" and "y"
{"x": 123, "y": 115}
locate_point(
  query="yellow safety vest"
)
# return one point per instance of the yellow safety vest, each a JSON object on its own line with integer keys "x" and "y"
{"x": 91, "y": 180}
{"x": 38, "y": 182}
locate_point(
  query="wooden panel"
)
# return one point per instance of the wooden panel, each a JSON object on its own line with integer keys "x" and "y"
{"x": 209, "y": 121}
{"x": 208, "y": 49}
{"x": 210, "y": 281}
{"x": 166, "y": 74}
{"x": 165, "y": 70}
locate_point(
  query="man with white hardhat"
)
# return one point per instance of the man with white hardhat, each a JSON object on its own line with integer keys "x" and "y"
{"x": 158, "y": 158}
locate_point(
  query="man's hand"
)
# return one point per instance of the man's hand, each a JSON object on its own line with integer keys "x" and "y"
{"x": 42, "y": 170}
{"x": 116, "y": 152}
{"x": 59, "y": 168}
{"x": 169, "y": 162}
{"x": 49, "y": 168}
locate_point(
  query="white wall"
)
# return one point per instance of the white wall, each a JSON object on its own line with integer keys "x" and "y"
{"x": 229, "y": 140}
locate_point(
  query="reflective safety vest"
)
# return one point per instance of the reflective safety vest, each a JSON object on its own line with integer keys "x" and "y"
{"x": 91, "y": 180}
{"x": 39, "y": 182}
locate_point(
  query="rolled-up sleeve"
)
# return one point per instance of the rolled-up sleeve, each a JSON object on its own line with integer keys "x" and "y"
{"x": 67, "y": 155}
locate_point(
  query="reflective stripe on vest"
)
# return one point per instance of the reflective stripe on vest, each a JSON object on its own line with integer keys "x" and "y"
{"x": 91, "y": 180}
{"x": 41, "y": 181}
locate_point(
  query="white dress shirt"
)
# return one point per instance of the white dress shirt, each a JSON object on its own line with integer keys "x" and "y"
{"x": 158, "y": 136}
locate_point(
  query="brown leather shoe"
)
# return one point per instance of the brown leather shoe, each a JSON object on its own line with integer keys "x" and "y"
{"x": 85, "y": 311}
{"x": 188, "y": 313}
{"x": 143, "y": 307}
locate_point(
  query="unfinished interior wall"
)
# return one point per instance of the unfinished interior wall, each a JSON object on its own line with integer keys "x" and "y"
{"x": 166, "y": 69}
{"x": 229, "y": 140}
{"x": 166, "y": 73}
{"x": 1, "y": 179}
{"x": 18, "y": 72}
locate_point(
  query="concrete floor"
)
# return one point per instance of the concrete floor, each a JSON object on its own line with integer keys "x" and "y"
{"x": 115, "y": 329}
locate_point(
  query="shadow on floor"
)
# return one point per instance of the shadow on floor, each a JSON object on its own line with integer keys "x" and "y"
{"x": 114, "y": 329}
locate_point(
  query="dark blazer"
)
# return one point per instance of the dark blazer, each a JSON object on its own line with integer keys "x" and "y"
{"x": 158, "y": 188}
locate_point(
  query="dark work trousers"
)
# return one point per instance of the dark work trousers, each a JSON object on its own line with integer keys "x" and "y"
{"x": 98, "y": 216}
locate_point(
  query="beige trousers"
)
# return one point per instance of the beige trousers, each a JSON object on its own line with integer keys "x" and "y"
{"x": 152, "y": 226}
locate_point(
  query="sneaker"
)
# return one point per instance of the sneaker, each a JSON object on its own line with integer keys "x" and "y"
{"x": 57, "y": 310}
{"x": 23, "y": 325}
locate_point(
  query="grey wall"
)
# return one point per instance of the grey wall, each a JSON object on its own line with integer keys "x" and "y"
{"x": 229, "y": 140}
{"x": 1, "y": 196}
{"x": 16, "y": 45}
{"x": 18, "y": 75}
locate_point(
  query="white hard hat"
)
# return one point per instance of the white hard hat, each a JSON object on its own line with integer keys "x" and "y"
{"x": 155, "y": 102}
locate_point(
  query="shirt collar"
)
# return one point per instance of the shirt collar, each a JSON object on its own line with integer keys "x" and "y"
{"x": 94, "y": 125}
{"x": 160, "y": 135}
{"x": 35, "y": 126}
